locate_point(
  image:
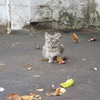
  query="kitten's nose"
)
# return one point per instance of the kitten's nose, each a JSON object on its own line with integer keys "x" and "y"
{"x": 51, "y": 45}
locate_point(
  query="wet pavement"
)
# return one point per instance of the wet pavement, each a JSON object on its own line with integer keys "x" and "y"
{"x": 18, "y": 53}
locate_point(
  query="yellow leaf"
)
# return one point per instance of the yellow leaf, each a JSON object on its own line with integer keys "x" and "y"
{"x": 42, "y": 59}
{"x": 59, "y": 59}
{"x": 27, "y": 97}
{"x": 42, "y": 39}
{"x": 38, "y": 96}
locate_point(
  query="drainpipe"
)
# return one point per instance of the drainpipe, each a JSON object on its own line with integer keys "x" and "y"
{"x": 8, "y": 17}
{"x": 29, "y": 12}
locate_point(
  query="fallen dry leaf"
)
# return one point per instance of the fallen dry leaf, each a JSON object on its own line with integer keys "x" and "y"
{"x": 36, "y": 75}
{"x": 39, "y": 89}
{"x": 14, "y": 96}
{"x": 58, "y": 92}
{"x": 42, "y": 59}
{"x": 93, "y": 39}
{"x": 42, "y": 39}
{"x": 74, "y": 37}
{"x": 30, "y": 68}
{"x": 35, "y": 95}
{"x": 27, "y": 97}
{"x": 36, "y": 46}
{"x": 60, "y": 61}
{"x": 32, "y": 94}
{"x": 38, "y": 96}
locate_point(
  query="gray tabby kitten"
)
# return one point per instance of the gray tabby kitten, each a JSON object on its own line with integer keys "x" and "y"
{"x": 52, "y": 47}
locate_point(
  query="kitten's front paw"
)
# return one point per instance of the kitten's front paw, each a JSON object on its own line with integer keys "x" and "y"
{"x": 50, "y": 61}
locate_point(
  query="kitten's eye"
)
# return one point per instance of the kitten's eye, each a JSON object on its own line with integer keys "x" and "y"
{"x": 53, "y": 41}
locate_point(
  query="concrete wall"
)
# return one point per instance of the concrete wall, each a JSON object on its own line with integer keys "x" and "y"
{"x": 19, "y": 13}
{"x": 66, "y": 13}
{"x": 3, "y": 11}
{"x": 71, "y": 13}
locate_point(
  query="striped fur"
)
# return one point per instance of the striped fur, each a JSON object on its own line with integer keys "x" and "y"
{"x": 52, "y": 47}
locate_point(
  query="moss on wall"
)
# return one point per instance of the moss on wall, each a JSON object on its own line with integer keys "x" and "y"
{"x": 89, "y": 12}
{"x": 65, "y": 17}
{"x": 70, "y": 19}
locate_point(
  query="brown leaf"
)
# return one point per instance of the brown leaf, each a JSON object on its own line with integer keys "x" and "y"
{"x": 93, "y": 39}
{"x": 75, "y": 37}
{"x": 14, "y": 96}
{"x": 36, "y": 46}
{"x": 32, "y": 95}
{"x": 60, "y": 61}
{"x": 58, "y": 92}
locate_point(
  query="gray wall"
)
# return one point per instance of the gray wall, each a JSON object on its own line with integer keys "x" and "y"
{"x": 2, "y": 11}
{"x": 72, "y": 13}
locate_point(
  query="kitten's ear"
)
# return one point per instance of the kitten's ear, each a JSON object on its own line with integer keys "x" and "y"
{"x": 57, "y": 35}
{"x": 47, "y": 35}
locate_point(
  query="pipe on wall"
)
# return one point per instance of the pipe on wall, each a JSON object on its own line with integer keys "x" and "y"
{"x": 8, "y": 2}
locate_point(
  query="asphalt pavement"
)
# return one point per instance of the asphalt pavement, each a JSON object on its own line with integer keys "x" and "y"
{"x": 22, "y": 71}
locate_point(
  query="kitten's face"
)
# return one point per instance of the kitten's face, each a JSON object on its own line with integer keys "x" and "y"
{"x": 52, "y": 41}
